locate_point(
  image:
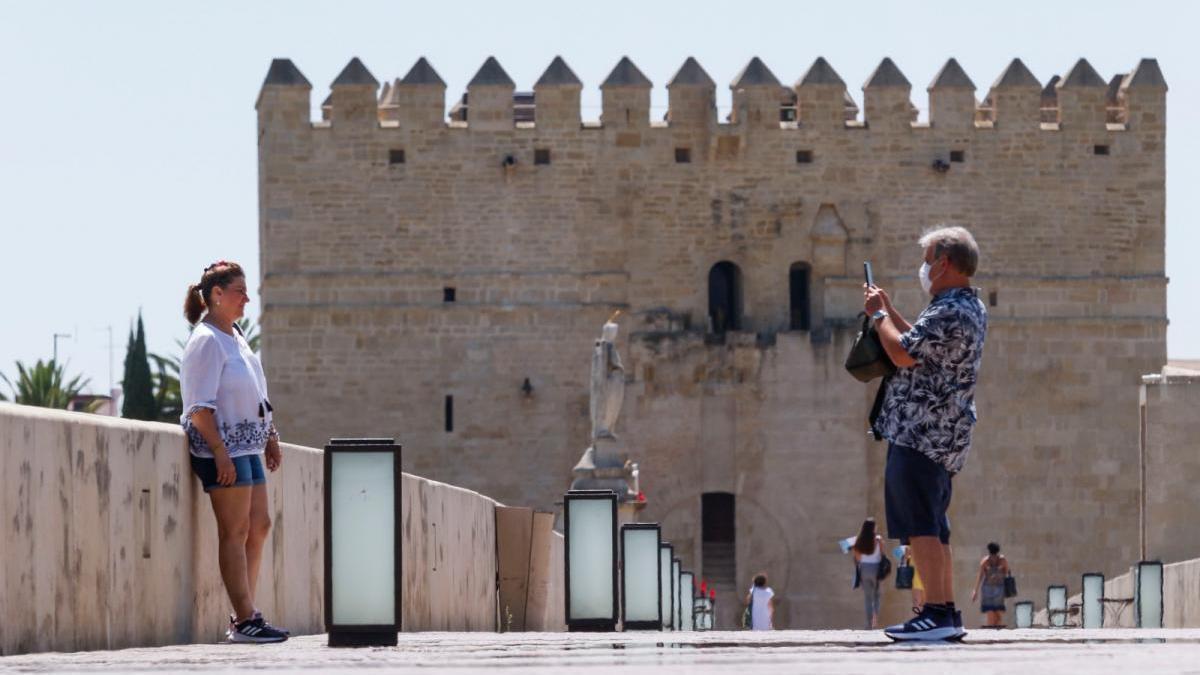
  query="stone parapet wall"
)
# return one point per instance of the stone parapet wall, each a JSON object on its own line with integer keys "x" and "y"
{"x": 110, "y": 542}
{"x": 1181, "y": 597}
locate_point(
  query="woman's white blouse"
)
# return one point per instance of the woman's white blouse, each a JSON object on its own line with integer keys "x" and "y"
{"x": 220, "y": 372}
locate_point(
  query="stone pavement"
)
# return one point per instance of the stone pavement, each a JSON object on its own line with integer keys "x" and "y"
{"x": 1013, "y": 651}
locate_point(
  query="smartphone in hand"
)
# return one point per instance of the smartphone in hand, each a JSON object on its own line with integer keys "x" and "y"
{"x": 867, "y": 274}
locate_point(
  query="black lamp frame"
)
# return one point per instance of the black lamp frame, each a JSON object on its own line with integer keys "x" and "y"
{"x": 642, "y": 625}
{"x": 1137, "y": 592}
{"x": 597, "y": 624}
{"x": 363, "y": 635}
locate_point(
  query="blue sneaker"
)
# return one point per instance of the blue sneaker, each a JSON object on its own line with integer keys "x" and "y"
{"x": 933, "y": 623}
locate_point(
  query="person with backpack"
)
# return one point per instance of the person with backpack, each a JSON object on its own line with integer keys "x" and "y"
{"x": 868, "y": 556}
{"x": 760, "y": 605}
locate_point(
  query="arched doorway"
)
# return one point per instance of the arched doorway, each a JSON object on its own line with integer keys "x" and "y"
{"x": 718, "y": 543}
{"x": 725, "y": 297}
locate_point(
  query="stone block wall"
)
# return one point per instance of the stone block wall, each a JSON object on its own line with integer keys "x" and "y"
{"x": 1171, "y": 465}
{"x": 358, "y": 252}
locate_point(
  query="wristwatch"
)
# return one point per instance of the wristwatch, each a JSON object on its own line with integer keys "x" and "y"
{"x": 879, "y": 314}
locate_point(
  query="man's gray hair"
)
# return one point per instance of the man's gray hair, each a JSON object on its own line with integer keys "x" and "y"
{"x": 956, "y": 243}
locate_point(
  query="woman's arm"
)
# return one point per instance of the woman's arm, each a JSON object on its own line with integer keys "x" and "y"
{"x": 978, "y": 579}
{"x": 206, "y": 424}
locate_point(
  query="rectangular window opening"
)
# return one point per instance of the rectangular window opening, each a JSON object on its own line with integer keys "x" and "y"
{"x": 541, "y": 156}
{"x": 1100, "y": 149}
{"x": 804, "y": 156}
{"x": 449, "y": 413}
{"x": 993, "y": 298}
{"x": 449, "y": 294}
{"x": 396, "y": 156}
{"x": 958, "y": 155}
{"x": 683, "y": 155}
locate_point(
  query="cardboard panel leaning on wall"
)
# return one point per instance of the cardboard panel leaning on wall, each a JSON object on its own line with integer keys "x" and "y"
{"x": 545, "y": 609}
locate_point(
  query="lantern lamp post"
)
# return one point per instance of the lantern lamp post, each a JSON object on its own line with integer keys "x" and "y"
{"x": 667, "y": 602}
{"x": 676, "y": 610}
{"x": 687, "y": 582}
{"x": 1024, "y": 612}
{"x": 1092, "y": 612}
{"x": 1148, "y": 596}
{"x": 590, "y": 557}
{"x": 641, "y": 596}
{"x": 363, "y": 580}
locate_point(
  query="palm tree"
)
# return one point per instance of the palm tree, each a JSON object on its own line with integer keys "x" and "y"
{"x": 45, "y": 385}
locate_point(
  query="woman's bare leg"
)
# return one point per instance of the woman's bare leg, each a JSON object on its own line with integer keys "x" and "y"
{"x": 231, "y": 505}
{"x": 260, "y": 527}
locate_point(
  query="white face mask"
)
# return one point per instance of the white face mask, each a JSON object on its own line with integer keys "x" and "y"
{"x": 923, "y": 275}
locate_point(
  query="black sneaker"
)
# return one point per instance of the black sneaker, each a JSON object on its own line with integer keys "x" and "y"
{"x": 255, "y": 630}
{"x": 958, "y": 627}
{"x": 259, "y": 615}
{"x": 933, "y": 623}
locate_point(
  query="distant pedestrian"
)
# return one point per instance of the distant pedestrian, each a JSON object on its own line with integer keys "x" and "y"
{"x": 760, "y": 602}
{"x": 868, "y": 554}
{"x": 992, "y": 571}
{"x": 227, "y": 419}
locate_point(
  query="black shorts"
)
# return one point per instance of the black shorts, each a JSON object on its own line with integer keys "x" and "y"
{"x": 916, "y": 495}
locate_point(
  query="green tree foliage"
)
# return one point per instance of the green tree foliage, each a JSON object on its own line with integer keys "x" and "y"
{"x": 138, "y": 384}
{"x": 45, "y": 384}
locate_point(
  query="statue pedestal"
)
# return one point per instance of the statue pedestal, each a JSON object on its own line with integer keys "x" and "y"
{"x": 604, "y": 467}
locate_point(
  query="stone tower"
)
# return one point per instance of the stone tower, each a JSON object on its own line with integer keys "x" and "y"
{"x": 417, "y": 273}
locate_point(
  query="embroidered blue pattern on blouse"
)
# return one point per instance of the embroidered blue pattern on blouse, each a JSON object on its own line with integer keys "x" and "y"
{"x": 242, "y": 438}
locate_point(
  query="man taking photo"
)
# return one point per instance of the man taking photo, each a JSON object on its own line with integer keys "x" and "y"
{"x": 927, "y": 416}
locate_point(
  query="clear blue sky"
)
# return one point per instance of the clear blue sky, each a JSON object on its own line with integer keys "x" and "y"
{"x": 127, "y": 150}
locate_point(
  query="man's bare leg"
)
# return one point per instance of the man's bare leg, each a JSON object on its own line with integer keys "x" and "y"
{"x": 931, "y": 557}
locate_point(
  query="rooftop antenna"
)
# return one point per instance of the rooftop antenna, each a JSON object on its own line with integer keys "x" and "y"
{"x": 56, "y": 336}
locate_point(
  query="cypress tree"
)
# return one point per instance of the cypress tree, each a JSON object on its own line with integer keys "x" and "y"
{"x": 138, "y": 384}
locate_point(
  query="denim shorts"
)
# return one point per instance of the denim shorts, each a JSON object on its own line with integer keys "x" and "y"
{"x": 916, "y": 495}
{"x": 249, "y": 471}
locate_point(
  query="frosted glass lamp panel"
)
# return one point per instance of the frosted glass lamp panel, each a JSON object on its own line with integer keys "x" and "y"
{"x": 1149, "y": 595}
{"x": 1056, "y": 605}
{"x": 362, "y": 502}
{"x": 591, "y": 554}
{"x": 641, "y": 578}
{"x": 1024, "y": 614}
{"x": 689, "y": 608}
{"x": 664, "y": 555}
{"x": 1093, "y": 603}
{"x": 678, "y": 599}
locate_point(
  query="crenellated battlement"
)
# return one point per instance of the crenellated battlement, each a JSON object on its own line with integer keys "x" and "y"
{"x": 1080, "y": 100}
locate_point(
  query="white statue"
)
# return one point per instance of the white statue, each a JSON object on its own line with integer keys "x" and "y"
{"x": 604, "y": 464}
{"x": 608, "y": 383}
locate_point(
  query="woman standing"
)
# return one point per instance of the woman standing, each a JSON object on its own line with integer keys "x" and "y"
{"x": 868, "y": 554}
{"x": 992, "y": 571}
{"x": 227, "y": 418}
